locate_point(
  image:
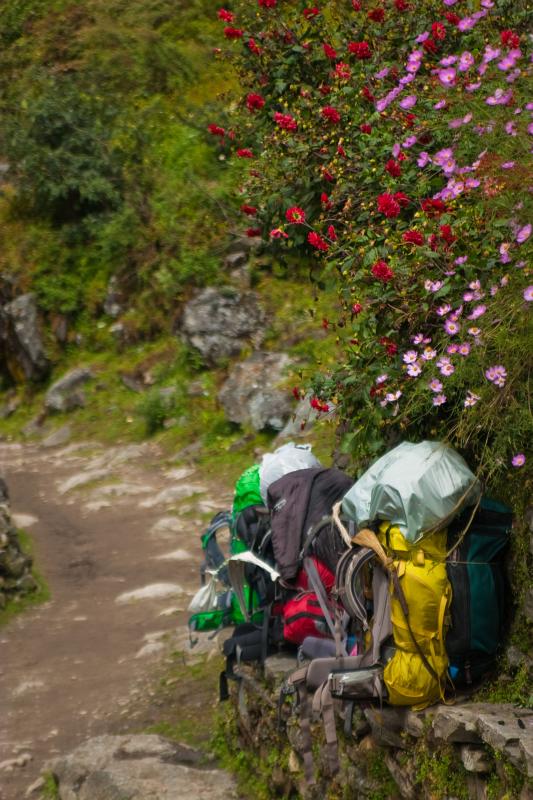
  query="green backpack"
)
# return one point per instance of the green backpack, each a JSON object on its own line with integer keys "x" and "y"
{"x": 247, "y": 490}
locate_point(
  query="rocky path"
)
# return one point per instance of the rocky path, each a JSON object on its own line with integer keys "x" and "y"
{"x": 116, "y": 537}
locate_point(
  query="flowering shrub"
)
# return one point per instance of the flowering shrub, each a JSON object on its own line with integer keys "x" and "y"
{"x": 393, "y": 148}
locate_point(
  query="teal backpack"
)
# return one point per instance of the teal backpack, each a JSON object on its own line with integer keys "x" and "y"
{"x": 479, "y": 608}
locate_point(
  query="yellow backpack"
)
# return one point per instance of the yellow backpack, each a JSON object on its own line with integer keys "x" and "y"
{"x": 416, "y": 674}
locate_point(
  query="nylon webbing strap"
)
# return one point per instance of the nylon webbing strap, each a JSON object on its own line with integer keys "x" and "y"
{"x": 318, "y": 587}
{"x": 305, "y": 726}
{"x": 323, "y": 704}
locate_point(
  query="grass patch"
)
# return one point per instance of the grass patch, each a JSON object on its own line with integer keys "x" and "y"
{"x": 40, "y": 595}
{"x": 186, "y": 701}
{"x": 50, "y": 790}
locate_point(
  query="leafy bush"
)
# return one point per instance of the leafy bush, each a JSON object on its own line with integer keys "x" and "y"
{"x": 390, "y": 148}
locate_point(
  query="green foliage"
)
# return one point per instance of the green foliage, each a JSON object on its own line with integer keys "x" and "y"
{"x": 105, "y": 107}
{"x": 390, "y": 324}
{"x": 156, "y": 407}
{"x": 50, "y": 790}
{"x": 40, "y": 595}
{"x": 441, "y": 772}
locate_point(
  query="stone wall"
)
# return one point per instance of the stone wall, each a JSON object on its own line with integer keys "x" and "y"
{"x": 16, "y": 579}
{"x": 482, "y": 751}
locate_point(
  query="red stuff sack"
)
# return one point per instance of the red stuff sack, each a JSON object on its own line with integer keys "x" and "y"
{"x": 302, "y": 617}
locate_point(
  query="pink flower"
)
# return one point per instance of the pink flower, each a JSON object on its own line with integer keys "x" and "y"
{"x": 463, "y": 349}
{"x": 523, "y": 234}
{"x": 435, "y": 385}
{"x": 410, "y": 357}
{"x": 497, "y": 375}
{"x": 444, "y": 309}
{"x": 451, "y": 327}
{"x": 447, "y": 370}
{"x": 278, "y": 233}
{"x": 528, "y": 294}
{"x": 518, "y": 460}
{"x": 439, "y": 399}
{"x": 471, "y": 399}
{"x": 429, "y": 354}
{"x": 447, "y": 76}
{"x": 414, "y": 370}
{"x": 477, "y": 312}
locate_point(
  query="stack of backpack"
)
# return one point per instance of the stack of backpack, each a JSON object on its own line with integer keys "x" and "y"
{"x": 395, "y": 600}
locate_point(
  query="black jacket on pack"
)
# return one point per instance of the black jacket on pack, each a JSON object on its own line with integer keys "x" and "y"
{"x": 297, "y": 502}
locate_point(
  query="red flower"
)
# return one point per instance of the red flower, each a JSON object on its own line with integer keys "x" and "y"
{"x": 402, "y": 157}
{"x": 227, "y": 16}
{"x": 295, "y": 215}
{"x": 390, "y": 347}
{"x": 341, "y": 151}
{"x": 510, "y": 39}
{"x": 356, "y": 5}
{"x": 331, "y": 114}
{"x": 360, "y": 49}
{"x": 254, "y": 47}
{"x": 401, "y": 199}
{"x": 318, "y": 405}
{"x": 388, "y": 205}
{"x": 324, "y": 89}
{"x": 438, "y": 31}
{"x": 367, "y": 94}
{"x": 254, "y": 101}
{"x": 250, "y": 210}
{"x": 452, "y": 18}
{"x": 409, "y": 120}
{"x": 216, "y": 130}
{"x": 245, "y": 152}
{"x": 278, "y": 233}
{"x": 329, "y": 51}
{"x": 267, "y": 3}
{"x": 324, "y": 199}
{"x": 233, "y": 33}
{"x": 317, "y": 241}
{"x": 356, "y": 309}
{"x": 393, "y": 168}
{"x": 432, "y": 241}
{"x": 447, "y": 234}
{"x": 326, "y": 174}
{"x": 311, "y": 12}
{"x": 285, "y": 121}
{"x": 365, "y": 128}
{"x": 331, "y": 233}
{"x": 401, "y": 5}
{"x": 437, "y": 206}
{"x": 382, "y": 272}
{"x": 376, "y": 15}
{"x": 343, "y": 71}
{"x": 253, "y": 232}
{"x": 413, "y": 237}
{"x": 430, "y": 46}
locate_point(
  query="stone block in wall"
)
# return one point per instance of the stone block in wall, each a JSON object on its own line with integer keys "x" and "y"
{"x": 475, "y": 759}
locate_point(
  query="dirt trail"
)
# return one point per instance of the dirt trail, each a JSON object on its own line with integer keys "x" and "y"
{"x": 105, "y": 523}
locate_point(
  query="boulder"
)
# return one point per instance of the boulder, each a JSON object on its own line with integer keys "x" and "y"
{"x": 65, "y": 394}
{"x": 250, "y": 394}
{"x": 143, "y": 767}
{"x": 20, "y": 340}
{"x": 221, "y": 322}
{"x": 58, "y": 437}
